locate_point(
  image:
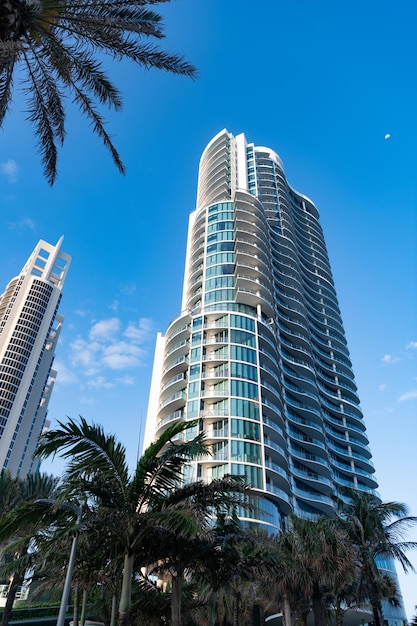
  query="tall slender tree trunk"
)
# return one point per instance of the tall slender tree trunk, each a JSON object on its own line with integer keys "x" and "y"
{"x": 213, "y": 607}
{"x": 126, "y": 593}
{"x": 287, "y": 612}
{"x": 236, "y": 607}
{"x": 319, "y": 611}
{"x": 76, "y": 605}
{"x": 376, "y": 606}
{"x": 339, "y": 614}
{"x": 83, "y": 607}
{"x": 113, "y": 616}
{"x": 176, "y": 600}
{"x": 16, "y": 581}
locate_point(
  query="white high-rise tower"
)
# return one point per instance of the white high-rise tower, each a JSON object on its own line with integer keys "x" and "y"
{"x": 258, "y": 353}
{"x": 29, "y": 331}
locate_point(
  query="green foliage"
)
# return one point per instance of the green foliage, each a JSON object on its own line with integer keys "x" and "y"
{"x": 54, "y": 45}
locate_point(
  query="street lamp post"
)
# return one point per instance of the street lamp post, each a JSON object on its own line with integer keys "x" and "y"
{"x": 76, "y": 510}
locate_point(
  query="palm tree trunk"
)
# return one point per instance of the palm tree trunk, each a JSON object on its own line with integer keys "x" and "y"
{"x": 319, "y": 611}
{"x": 287, "y": 612}
{"x": 16, "y": 581}
{"x": 236, "y": 606}
{"x": 83, "y": 607}
{"x": 113, "y": 616}
{"x": 376, "y": 606}
{"x": 213, "y": 606}
{"x": 126, "y": 593}
{"x": 339, "y": 614}
{"x": 76, "y": 607}
{"x": 176, "y": 600}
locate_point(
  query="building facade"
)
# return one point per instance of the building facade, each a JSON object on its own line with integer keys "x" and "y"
{"x": 29, "y": 330}
{"x": 258, "y": 353}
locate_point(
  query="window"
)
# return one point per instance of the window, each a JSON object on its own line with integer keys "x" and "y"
{"x": 242, "y": 337}
{"x": 220, "y": 270}
{"x": 216, "y": 283}
{"x": 246, "y": 452}
{"x": 195, "y": 354}
{"x": 243, "y": 370}
{"x": 244, "y": 408}
{"x": 244, "y": 389}
{"x": 194, "y": 371}
{"x": 220, "y": 295}
{"x": 243, "y": 429}
{"x": 253, "y": 475}
{"x": 242, "y": 322}
{"x": 239, "y": 353}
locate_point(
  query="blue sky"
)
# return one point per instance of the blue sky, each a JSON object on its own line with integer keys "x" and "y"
{"x": 321, "y": 83}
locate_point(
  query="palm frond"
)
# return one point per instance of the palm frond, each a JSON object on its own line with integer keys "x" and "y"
{"x": 7, "y": 64}
{"x": 54, "y": 44}
{"x": 89, "y": 449}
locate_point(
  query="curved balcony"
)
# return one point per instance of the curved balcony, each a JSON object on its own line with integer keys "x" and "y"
{"x": 168, "y": 419}
{"x": 282, "y": 497}
{"x": 180, "y": 364}
{"x": 253, "y": 298}
{"x": 318, "y": 500}
{"x": 310, "y": 460}
{"x": 306, "y": 410}
{"x": 175, "y": 382}
{"x": 214, "y": 394}
{"x": 270, "y": 408}
{"x": 215, "y": 374}
{"x": 298, "y": 420}
{"x": 274, "y": 425}
{"x": 318, "y": 481}
{"x": 172, "y": 403}
{"x": 278, "y": 474}
{"x": 177, "y": 333}
{"x": 275, "y": 448}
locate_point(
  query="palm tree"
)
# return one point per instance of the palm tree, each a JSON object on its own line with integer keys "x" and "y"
{"x": 27, "y": 490}
{"x": 317, "y": 559}
{"x": 181, "y": 555}
{"x": 127, "y": 507}
{"x": 376, "y": 529}
{"x": 54, "y": 45}
{"x": 228, "y": 564}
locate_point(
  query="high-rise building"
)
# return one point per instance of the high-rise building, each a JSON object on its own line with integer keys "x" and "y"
{"x": 29, "y": 329}
{"x": 258, "y": 353}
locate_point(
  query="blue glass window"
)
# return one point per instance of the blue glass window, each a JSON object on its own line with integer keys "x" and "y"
{"x": 239, "y": 353}
{"x": 244, "y": 429}
{"x": 243, "y": 370}
{"x": 242, "y": 337}
{"x": 243, "y": 389}
{"x": 239, "y": 321}
{"x": 244, "y": 408}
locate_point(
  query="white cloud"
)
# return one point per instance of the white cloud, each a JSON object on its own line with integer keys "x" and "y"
{"x": 140, "y": 332}
{"x": 122, "y": 355}
{"x": 99, "y": 383}
{"x": 24, "y": 223}
{"x": 408, "y": 395}
{"x": 383, "y": 388}
{"x": 125, "y": 380}
{"x": 9, "y": 169}
{"x": 84, "y": 354}
{"x": 105, "y": 330}
{"x": 114, "y": 306}
{"x": 388, "y": 358}
{"x": 411, "y": 346}
{"x": 65, "y": 375}
{"x": 110, "y": 346}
